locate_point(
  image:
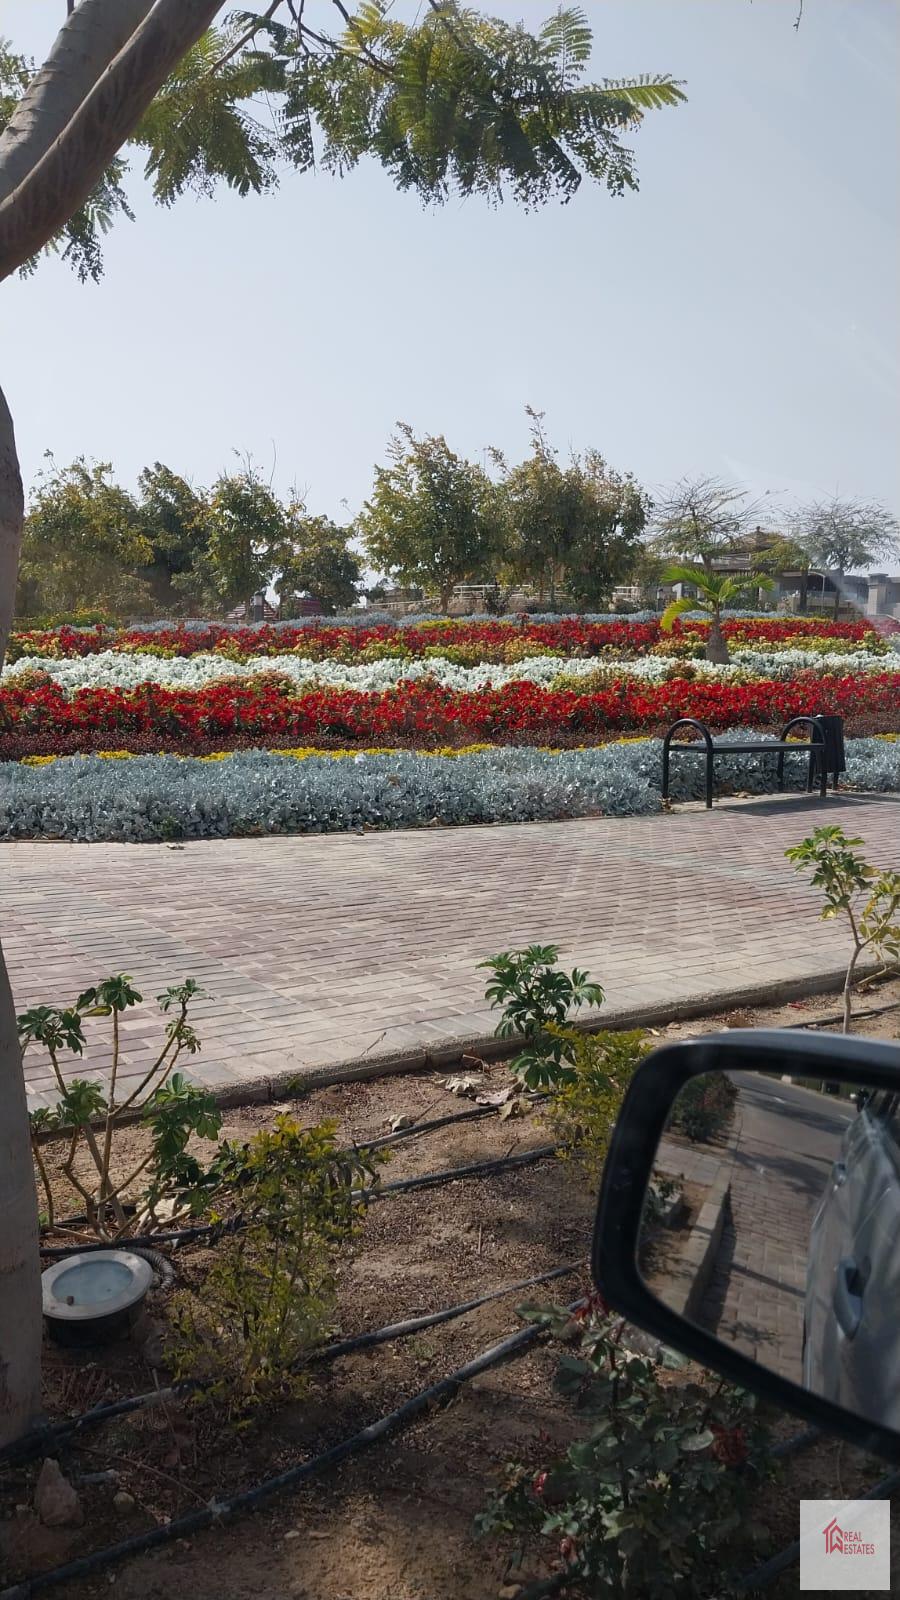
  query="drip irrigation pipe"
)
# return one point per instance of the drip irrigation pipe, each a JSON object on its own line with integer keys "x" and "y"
{"x": 42, "y": 1439}
{"x": 762, "y": 1576}
{"x": 477, "y": 1169}
{"x": 217, "y": 1511}
{"x": 214, "y": 1230}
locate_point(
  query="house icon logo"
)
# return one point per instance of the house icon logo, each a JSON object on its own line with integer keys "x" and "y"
{"x": 834, "y": 1538}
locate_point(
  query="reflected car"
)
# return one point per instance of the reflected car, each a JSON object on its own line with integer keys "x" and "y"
{"x": 850, "y": 1351}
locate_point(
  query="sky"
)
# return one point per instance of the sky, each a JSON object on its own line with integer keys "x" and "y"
{"x": 738, "y": 316}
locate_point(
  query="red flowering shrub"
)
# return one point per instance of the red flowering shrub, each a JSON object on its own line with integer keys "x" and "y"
{"x": 43, "y": 719}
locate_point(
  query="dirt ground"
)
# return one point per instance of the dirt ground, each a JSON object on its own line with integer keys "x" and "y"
{"x": 396, "y": 1523}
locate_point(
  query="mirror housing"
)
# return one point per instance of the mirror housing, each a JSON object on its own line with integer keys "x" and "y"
{"x": 644, "y": 1117}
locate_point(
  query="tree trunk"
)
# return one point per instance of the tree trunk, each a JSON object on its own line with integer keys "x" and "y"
{"x": 804, "y": 591}
{"x": 716, "y": 646}
{"x": 446, "y": 595}
{"x": 837, "y": 593}
{"x": 20, "y": 1271}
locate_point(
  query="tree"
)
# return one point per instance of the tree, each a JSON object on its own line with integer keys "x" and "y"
{"x": 248, "y": 528}
{"x": 781, "y": 555}
{"x": 713, "y": 592}
{"x": 175, "y": 520}
{"x": 454, "y": 103}
{"x": 844, "y": 534}
{"x": 577, "y": 525}
{"x": 434, "y": 518}
{"x": 83, "y": 545}
{"x": 318, "y": 562}
{"x": 701, "y": 518}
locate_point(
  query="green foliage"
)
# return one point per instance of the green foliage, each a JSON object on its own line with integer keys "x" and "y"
{"x": 844, "y": 534}
{"x": 869, "y": 898}
{"x": 647, "y": 1501}
{"x": 576, "y": 526}
{"x": 434, "y": 518}
{"x": 249, "y": 526}
{"x": 318, "y": 562}
{"x": 713, "y": 591}
{"x": 534, "y": 994}
{"x": 83, "y": 545}
{"x": 173, "y": 1110}
{"x": 452, "y": 103}
{"x": 585, "y": 1104}
{"x": 268, "y": 1299}
{"x": 703, "y": 1107}
{"x": 174, "y": 518}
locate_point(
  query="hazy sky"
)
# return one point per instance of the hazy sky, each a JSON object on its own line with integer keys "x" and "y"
{"x": 737, "y": 316}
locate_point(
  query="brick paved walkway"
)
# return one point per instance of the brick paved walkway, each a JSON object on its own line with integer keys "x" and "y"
{"x": 787, "y": 1140}
{"x": 320, "y": 949}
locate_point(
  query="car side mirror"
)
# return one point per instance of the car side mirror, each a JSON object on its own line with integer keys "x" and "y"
{"x": 749, "y": 1217}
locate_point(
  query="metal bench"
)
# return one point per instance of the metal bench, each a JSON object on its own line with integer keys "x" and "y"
{"x": 825, "y": 747}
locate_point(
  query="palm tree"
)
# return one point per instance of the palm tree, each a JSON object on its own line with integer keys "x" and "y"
{"x": 713, "y": 592}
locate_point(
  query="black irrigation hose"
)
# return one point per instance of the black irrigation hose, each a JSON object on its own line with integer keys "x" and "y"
{"x": 402, "y": 1330}
{"x": 437, "y": 1394}
{"x": 41, "y": 1439}
{"x": 214, "y": 1230}
{"x": 838, "y": 1016}
{"x": 762, "y": 1576}
{"x": 477, "y": 1169}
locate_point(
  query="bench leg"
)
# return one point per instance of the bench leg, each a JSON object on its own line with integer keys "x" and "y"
{"x": 810, "y": 772}
{"x": 823, "y": 780}
{"x": 665, "y": 780}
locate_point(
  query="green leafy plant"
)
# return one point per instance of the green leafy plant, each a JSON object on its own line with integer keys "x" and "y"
{"x": 87, "y": 1115}
{"x": 585, "y": 1103}
{"x": 713, "y": 592}
{"x": 534, "y": 993}
{"x": 647, "y": 1502}
{"x": 869, "y": 898}
{"x": 268, "y": 1299}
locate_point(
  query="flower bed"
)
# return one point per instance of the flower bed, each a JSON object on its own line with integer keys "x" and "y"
{"x": 417, "y": 715}
{"x": 259, "y": 792}
{"x": 117, "y": 669}
{"x": 523, "y": 698}
{"x": 490, "y": 639}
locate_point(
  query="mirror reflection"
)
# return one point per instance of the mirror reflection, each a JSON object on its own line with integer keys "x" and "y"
{"x": 771, "y": 1221}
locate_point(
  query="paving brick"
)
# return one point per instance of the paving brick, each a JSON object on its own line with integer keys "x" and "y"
{"x": 317, "y": 947}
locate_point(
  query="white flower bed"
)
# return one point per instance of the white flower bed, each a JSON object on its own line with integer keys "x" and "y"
{"x": 112, "y": 669}
{"x": 257, "y": 792}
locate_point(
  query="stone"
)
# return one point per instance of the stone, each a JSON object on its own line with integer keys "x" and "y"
{"x": 56, "y": 1501}
{"x": 124, "y": 1502}
{"x": 153, "y": 1346}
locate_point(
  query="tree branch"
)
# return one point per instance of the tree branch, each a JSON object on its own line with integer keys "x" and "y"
{"x": 245, "y": 38}
{"x": 90, "y": 38}
{"x": 58, "y": 185}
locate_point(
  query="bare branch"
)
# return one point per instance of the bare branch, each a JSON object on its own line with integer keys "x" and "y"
{"x": 54, "y": 189}
{"x": 799, "y": 18}
{"x": 88, "y": 41}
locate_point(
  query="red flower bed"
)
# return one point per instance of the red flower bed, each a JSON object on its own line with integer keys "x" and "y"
{"x": 567, "y": 636}
{"x": 45, "y": 719}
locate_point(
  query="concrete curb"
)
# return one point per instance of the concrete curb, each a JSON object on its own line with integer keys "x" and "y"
{"x": 688, "y": 1279}
{"x": 298, "y": 1081}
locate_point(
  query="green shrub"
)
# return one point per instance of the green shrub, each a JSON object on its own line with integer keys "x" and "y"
{"x": 704, "y": 1106}
{"x": 534, "y": 993}
{"x": 647, "y": 1502}
{"x": 268, "y": 1299}
{"x": 585, "y": 1105}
